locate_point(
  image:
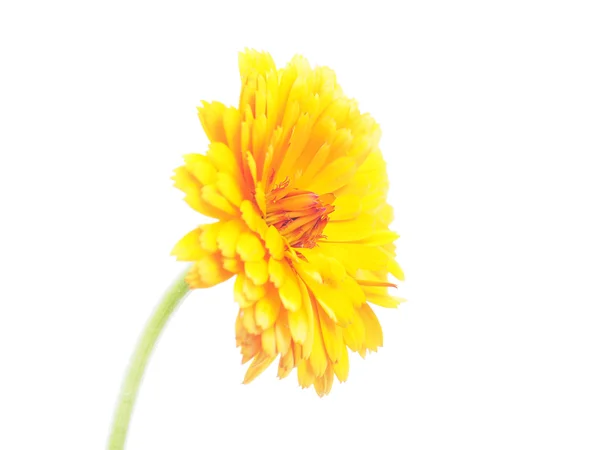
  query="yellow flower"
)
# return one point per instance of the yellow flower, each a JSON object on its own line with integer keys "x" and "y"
{"x": 298, "y": 186}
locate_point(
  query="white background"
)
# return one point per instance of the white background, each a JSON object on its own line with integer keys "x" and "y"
{"x": 490, "y": 113}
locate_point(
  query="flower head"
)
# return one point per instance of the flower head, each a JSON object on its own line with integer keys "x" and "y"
{"x": 297, "y": 185}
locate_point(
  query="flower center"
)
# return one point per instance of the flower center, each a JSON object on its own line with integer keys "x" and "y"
{"x": 300, "y": 216}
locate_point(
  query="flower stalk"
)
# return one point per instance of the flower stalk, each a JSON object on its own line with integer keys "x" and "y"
{"x": 139, "y": 360}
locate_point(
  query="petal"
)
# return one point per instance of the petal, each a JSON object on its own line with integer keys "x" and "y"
{"x": 229, "y": 188}
{"x": 207, "y": 272}
{"x": 257, "y": 271}
{"x": 286, "y": 364}
{"x": 268, "y": 342}
{"x": 189, "y": 248}
{"x": 302, "y": 323}
{"x": 333, "y": 176}
{"x": 228, "y": 235}
{"x": 239, "y": 295}
{"x": 336, "y": 292}
{"x": 260, "y": 363}
{"x": 354, "y": 333}
{"x": 341, "y": 368}
{"x": 249, "y": 247}
{"x": 253, "y": 219}
{"x": 267, "y": 309}
{"x": 208, "y": 238}
{"x": 274, "y": 243}
{"x": 318, "y": 358}
{"x": 211, "y": 118}
{"x": 387, "y": 301}
{"x": 193, "y": 190}
{"x": 247, "y": 315}
{"x": 213, "y": 197}
{"x": 299, "y": 326}
{"x": 305, "y": 375}
{"x": 223, "y": 159}
{"x": 290, "y": 294}
{"x": 201, "y": 168}
{"x": 252, "y": 291}
{"x": 282, "y": 333}
{"x": 373, "y": 333}
{"x": 332, "y": 336}
{"x": 232, "y": 265}
{"x": 277, "y": 272}
{"x": 351, "y": 230}
{"x": 324, "y": 383}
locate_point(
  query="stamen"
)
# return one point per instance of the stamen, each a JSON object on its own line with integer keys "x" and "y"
{"x": 300, "y": 216}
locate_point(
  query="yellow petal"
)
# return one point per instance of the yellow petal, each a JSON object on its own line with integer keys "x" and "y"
{"x": 229, "y": 188}
{"x": 252, "y": 291}
{"x": 342, "y": 366}
{"x": 337, "y": 296}
{"x": 355, "y": 257}
{"x": 380, "y": 237}
{"x": 354, "y": 333}
{"x": 193, "y": 190}
{"x": 248, "y": 322}
{"x": 257, "y": 271}
{"x": 222, "y": 157}
{"x": 314, "y": 166}
{"x": 268, "y": 342}
{"x": 290, "y": 293}
{"x": 286, "y": 364}
{"x": 252, "y": 218}
{"x": 211, "y": 118}
{"x": 298, "y": 322}
{"x": 207, "y": 272}
{"x": 277, "y": 272}
{"x": 332, "y": 336}
{"x": 373, "y": 333}
{"x": 231, "y": 124}
{"x": 309, "y": 305}
{"x": 249, "y": 247}
{"x": 318, "y": 358}
{"x": 267, "y": 309}
{"x": 387, "y": 301}
{"x": 213, "y": 197}
{"x": 260, "y": 363}
{"x": 351, "y": 230}
{"x": 233, "y": 265}
{"x": 227, "y": 237}
{"x": 208, "y": 238}
{"x": 282, "y": 333}
{"x": 305, "y": 375}
{"x": 333, "y": 176}
{"x": 239, "y": 295}
{"x": 274, "y": 243}
{"x": 189, "y": 248}
{"x": 324, "y": 383}
{"x": 395, "y": 269}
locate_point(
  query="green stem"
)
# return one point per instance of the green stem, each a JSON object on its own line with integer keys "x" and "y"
{"x": 171, "y": 300}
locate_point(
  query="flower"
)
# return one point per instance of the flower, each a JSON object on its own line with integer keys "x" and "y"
{"x": 297, "y": 185}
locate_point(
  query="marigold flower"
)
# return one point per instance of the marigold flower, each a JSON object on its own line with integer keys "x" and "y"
{"x": 297, "y": 185}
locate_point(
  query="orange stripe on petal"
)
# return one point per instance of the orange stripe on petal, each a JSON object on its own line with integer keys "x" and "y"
{"x": 376, "y": 283}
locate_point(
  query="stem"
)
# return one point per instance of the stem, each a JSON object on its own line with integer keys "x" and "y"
{"x": 135, "y": 372}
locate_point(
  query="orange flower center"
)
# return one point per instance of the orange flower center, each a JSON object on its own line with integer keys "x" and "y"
{"x": 300, "y": 216}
